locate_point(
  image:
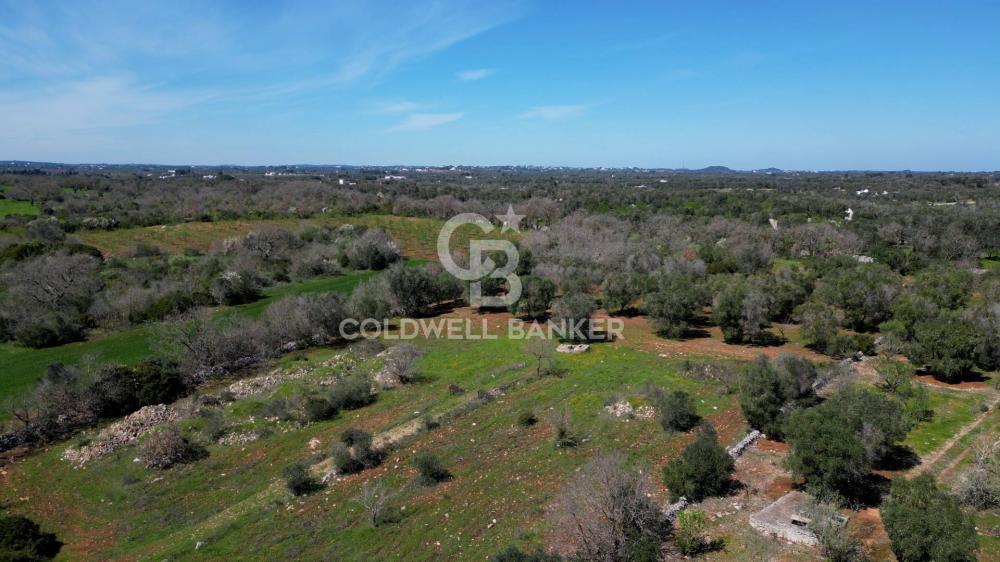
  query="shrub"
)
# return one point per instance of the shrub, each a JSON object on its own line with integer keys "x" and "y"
{"x": 562, "y": 429}
{"x": 236, "y": 287}
{"x": 343, "y": 460}
{"x": 299, "y": 481}
{"x": 430, "y": 469}
{"x": 925, "y": 523}
{"x": 677, "y": 411}
{"x": 47, "y": 330}
{"x": 165, "y": 448}
{"x": 515, "y": 554}
{"x": 607, "y": 513}
{"x": 704, "y": 469}
{"x": 374, "y": 249}
{"x": 21, "y": 539}
{"x": 119, "y": 390}
{"x": 690, "y": 534}
{"x": 319, "y": 409}
{"x": 355, "y": 452}
{"x": 351, "y": 393}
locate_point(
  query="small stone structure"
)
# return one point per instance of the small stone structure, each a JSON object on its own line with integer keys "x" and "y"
{"x": 786, "y": 519}
{"x": 572, "y": 348}
{"x": 736, "y": 450}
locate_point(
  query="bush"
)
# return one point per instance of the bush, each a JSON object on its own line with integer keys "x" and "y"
{"x": 119, "y": 390}
{"x": 343, "y": 460}
{"x": 430, "y": 469}
{"x": 165, "y": 448}
{"x": 562, "y": 429}
{"x": 677, "y": 411}
{"x": 236, "y": 287}
{"x": 527, "y": 418}
{"x": 319, "y": 409}
{"x": 372, "y": 250}
{"x": 47, "y": 330}
{"x": 299, "y": 481}
{"x": 704, "y": 469}
{"x": 355, "y": 452}
{"x": 21, "y": 539}
{"x": 690, "y": 534}
{"x": 607, "y": 513}
{"x": 515, "y": 554}
{"x": 925, "y": 523}
{"x": 351, "y": 393}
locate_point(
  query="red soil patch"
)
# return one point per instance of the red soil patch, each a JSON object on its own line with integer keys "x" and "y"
{"x": 779, "y": 487}
{"x": 867, "y": 526}
{"x": 773, "y": 446}
{"x": 638, "y": 332}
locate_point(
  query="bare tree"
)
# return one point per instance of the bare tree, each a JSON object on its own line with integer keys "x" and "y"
{"x": 606, "y": 515}
{"x": 375, "y": 497}
{"x": 541, "y": 351}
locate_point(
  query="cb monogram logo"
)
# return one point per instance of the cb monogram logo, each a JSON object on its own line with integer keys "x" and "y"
{"x": 480, "y": 268}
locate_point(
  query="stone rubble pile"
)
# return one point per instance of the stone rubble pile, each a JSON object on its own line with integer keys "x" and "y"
{"x": 258, "y": 385}
{"x": 622, "y": 409}
{"x": 121, "y": 433}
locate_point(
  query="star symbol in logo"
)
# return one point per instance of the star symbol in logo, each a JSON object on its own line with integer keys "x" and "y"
{"x": 510, "y": 220}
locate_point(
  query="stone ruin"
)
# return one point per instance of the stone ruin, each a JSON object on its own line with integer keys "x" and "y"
{"x": 572, "y": 348}
{"x": 788, "y": 519}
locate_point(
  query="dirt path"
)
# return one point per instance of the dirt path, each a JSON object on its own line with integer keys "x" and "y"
{"x": 930, "y": 460}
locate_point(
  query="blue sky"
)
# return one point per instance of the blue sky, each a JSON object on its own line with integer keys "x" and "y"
{"x": 803, "y": 85}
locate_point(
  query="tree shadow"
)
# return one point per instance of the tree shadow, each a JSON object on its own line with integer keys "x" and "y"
{"x": 968, "y": 376}
{"x": 870, "y": 491}
{"x": 768, "y": 339}
{"x": 899, "y": 457}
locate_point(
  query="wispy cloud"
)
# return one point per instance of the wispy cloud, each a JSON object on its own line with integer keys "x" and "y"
{"x": 476, "y": 74}
{"x": 553, "y": 112}
{"x": 62, "y": 80}
{"x": 424, "y": 121}
{"x": 394, "y": 107}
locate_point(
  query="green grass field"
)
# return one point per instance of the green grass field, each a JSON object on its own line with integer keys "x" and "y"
{"x": 952, "y": 410}
{"x": 24, "y": 366}
{"x": 417, "y": 237}
{"x": 12, "y": 207}
{"x": 233, "y": 501}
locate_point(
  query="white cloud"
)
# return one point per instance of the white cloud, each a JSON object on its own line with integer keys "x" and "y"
{"x": 394, "y": 107}
{"x": 553, "y": 112}
{"x": 476, "y": 74}
{"x": 423, "y": 121}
